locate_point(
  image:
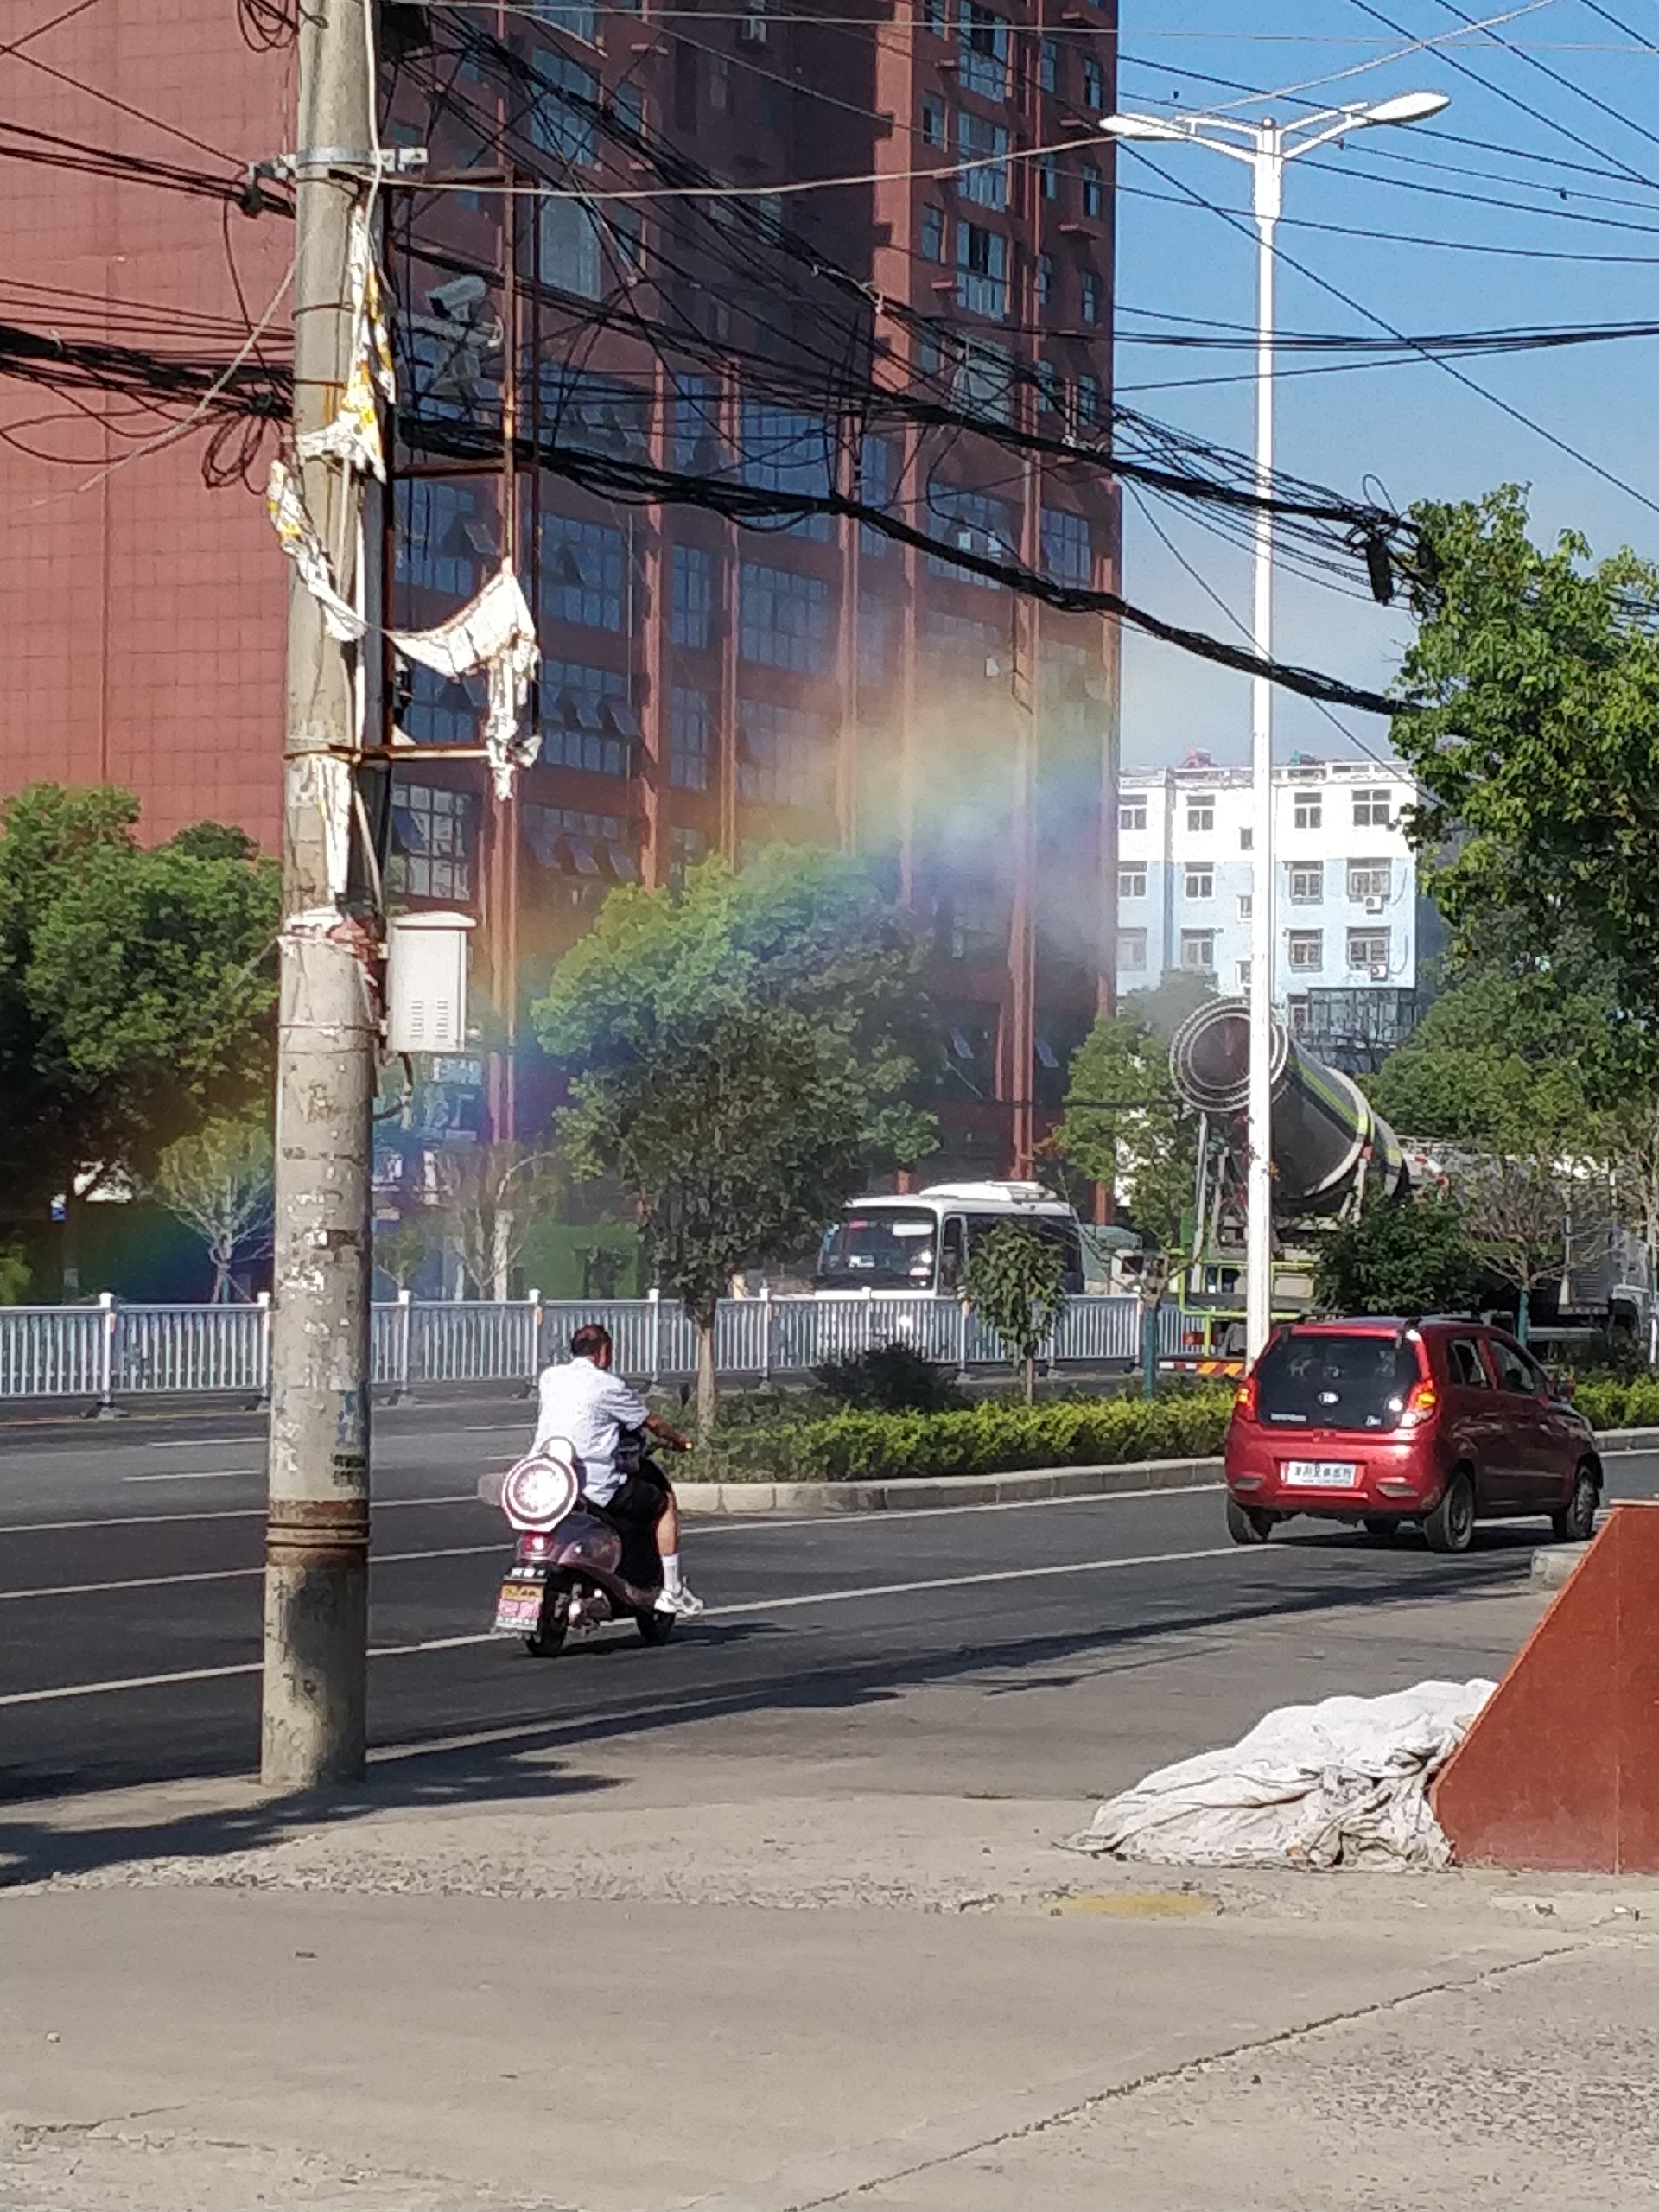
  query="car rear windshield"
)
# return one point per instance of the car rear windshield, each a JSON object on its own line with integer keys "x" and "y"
{"x": 1334, "y": 1382}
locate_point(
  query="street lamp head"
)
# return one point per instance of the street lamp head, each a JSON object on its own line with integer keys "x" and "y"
{"x": 1140, "y": 126}
{"x": 1406, "y": 107}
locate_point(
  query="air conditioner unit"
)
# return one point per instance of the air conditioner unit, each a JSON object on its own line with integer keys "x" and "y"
{"x": 1374, "y": 906}
{"x": 1380, "y": 971}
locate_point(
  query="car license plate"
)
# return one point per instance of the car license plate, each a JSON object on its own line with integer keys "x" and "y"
{"x": 518, "y": 1608}
{"x": 1320, "y": 1474}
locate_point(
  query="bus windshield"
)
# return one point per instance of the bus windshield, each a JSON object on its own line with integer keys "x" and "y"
{"x": 889, "y": 1250}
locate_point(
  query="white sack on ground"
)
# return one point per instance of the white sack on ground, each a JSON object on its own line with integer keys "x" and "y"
{"x": 1340, "y": 1784}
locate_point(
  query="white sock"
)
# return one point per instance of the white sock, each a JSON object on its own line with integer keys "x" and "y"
{"x": 672, "y": 1573}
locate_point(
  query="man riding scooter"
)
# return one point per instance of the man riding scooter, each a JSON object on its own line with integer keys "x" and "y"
{"x": 585, "y": 1405}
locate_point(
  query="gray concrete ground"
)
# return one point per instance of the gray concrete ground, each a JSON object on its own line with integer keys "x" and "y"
{"x": 823, "y": 1954}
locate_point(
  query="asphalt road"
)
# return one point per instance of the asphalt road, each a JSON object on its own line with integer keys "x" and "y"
{"x": 130, "y": 1596}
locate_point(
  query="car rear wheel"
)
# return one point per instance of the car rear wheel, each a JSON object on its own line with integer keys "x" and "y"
{"x": 1576, "y": 1523}
{"x": 1248, "y": 1524}
{"x": 1450, "y": 1525}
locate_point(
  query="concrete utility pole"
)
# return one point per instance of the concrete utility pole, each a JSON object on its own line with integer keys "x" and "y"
{"x": 317, "y": 1542}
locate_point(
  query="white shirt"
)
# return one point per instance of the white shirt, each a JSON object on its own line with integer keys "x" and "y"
{"x": 586, "y": 1405}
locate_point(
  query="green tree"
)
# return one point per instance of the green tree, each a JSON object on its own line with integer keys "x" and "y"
{"x": 1125, "y": 1127}
{"x": 218, "y": 1181}
{"x": 136, "y": 985}
{"x": 1538, "y": 673}
{"x": 1015, "y": 1282}
{"x": 743, "y": 1055}
{"x": 1413, "y": 1256}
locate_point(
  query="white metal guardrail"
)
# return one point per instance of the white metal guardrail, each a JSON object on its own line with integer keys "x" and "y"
{"x": 112, "y": 1351}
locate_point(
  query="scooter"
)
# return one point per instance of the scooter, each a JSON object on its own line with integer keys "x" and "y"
{"x": 572, "y": 1567}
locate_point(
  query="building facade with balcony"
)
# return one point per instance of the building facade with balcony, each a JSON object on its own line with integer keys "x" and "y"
{"x": 1347, "y": 911}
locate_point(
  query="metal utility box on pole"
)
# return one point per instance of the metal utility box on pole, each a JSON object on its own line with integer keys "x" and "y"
{"x": 316, "y": 1560}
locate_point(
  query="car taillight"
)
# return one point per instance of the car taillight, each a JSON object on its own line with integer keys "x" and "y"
{"x": 1244, "y": 1398}
{"x": 1420, "y": 1405}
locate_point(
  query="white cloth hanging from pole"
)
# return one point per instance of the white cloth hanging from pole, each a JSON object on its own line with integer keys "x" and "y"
{"x": 353, "y": 438}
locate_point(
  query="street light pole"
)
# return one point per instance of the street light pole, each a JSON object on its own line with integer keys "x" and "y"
{"x": 1266, "y": 146}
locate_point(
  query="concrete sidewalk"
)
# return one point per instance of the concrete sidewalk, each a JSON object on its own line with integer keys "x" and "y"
{"x": 834, "y": 1959}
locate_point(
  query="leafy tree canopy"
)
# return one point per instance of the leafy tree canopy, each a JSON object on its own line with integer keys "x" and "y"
{"x": 136, "y": 984}
{"x": 1016, "y": 1284}
{"x": 1124, "y": 1125}
{"x": 1414, "y": 1257}
{"x": 1538, "y": 752}
{"x": 743, "y": 1055}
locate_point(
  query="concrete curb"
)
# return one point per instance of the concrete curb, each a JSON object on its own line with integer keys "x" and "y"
{"x": 1629, "y": 1439}
{"x": 913, "y": 1492}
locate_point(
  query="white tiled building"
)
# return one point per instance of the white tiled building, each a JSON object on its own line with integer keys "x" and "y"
{"x": 1346, "y": 914}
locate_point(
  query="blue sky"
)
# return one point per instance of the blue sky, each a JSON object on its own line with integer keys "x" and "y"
{"x": 1534, "y": 259}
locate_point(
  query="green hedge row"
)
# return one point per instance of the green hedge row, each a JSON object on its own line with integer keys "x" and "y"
{"x": 981, "y": 1441}
{"x": 1609, "y": 1401}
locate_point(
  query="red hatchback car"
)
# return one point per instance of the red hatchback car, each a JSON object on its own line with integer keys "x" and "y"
{"x": 1380, "y": 1421}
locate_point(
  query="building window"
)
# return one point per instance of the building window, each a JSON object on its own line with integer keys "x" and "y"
{"x": 1089, "y": 297}
{"x": 1131, "y": 816}
{"x": 1131, "y": 883}
{"x": 581, "y": 572}
{"x": 444, "y": 532}
{"x": 985, "y": 379}
{"x": 1246, "y": 905}
{"x": 1051, "y": 387}
{"x": 1087, "y": 399}
{"x": 691, "y": 597}
{"x": 984, "y": 51}
{"x": 1048, "y": 64}
{"x": 786, "y": 450}
{"x": 1307, "y": 951}
{"x": 685, "y": 848}
{"x": 1094, "y": 196}
{"x": 969, "y": 644}
{"x": 876, "y": 470}
{"x": 591, "y": 846}
{"x": 1243, "y": 975}
{"x": 783, "y": 619}
{"x": 1371, "y": 811}
{"x": 1093, "y": 85}
{"x": 1368, "y": 951}
{"x": 1200, "y": 882}
{"x": 697, "y": 447}
{"x": 1369, "y": 880}
{"x": 579, "y": 17}
{"x": 557, "y": 126}
{"x": 978, "y": 140}
{"x": 981, "y": 271}
{"x": 975, "y": 524}
{"x": 431, "y": 855}
{"x": 1132, "y": 950}
{"x": 1048, "y": 176}
{"x": 932, "y": 235}
{"x": 1198, "y": 950}
{"x": 877, "y": 624}
{"x": 688, "y": 739}
{"x": 1043, "y": 278}
{"x": 1068, "y": 557}
{"x": 933, "y": 122}
{"x": 1200, "y": 815}
{"x": 1247, "y": 840}
{"x": 587, "y": 720}
{"x": 1309, "y": 811}
{"x": 784, "y": 755}
{"x": 436, "y": 709}
{"x": 1307, "y": 883}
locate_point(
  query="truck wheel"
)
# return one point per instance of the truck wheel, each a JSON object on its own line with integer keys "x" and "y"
{"x": 1450, "y": 1525}
{"x": 1248, "y": 1524}
{"x": 1576, "y": 1523}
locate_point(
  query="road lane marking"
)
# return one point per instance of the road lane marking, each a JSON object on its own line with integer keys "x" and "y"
{"x": 213, "y": 1475}
{"x": 228, "y": 1574}
{"x": 225, "y": 1513}
{"x": 713, "y": 1612}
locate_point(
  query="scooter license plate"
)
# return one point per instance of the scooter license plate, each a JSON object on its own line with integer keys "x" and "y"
{"x": 518, "y": 1607}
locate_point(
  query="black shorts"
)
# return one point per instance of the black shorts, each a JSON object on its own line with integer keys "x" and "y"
{"x": 638, "y": 1502}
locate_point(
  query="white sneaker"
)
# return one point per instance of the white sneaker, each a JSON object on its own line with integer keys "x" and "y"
{"x": 682, "y": 1601}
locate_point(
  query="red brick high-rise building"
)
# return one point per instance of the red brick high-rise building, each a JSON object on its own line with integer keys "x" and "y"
{"x": 611, "y": 246}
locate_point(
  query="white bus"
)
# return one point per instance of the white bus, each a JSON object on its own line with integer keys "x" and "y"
{"x": 918, "y": 1242}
